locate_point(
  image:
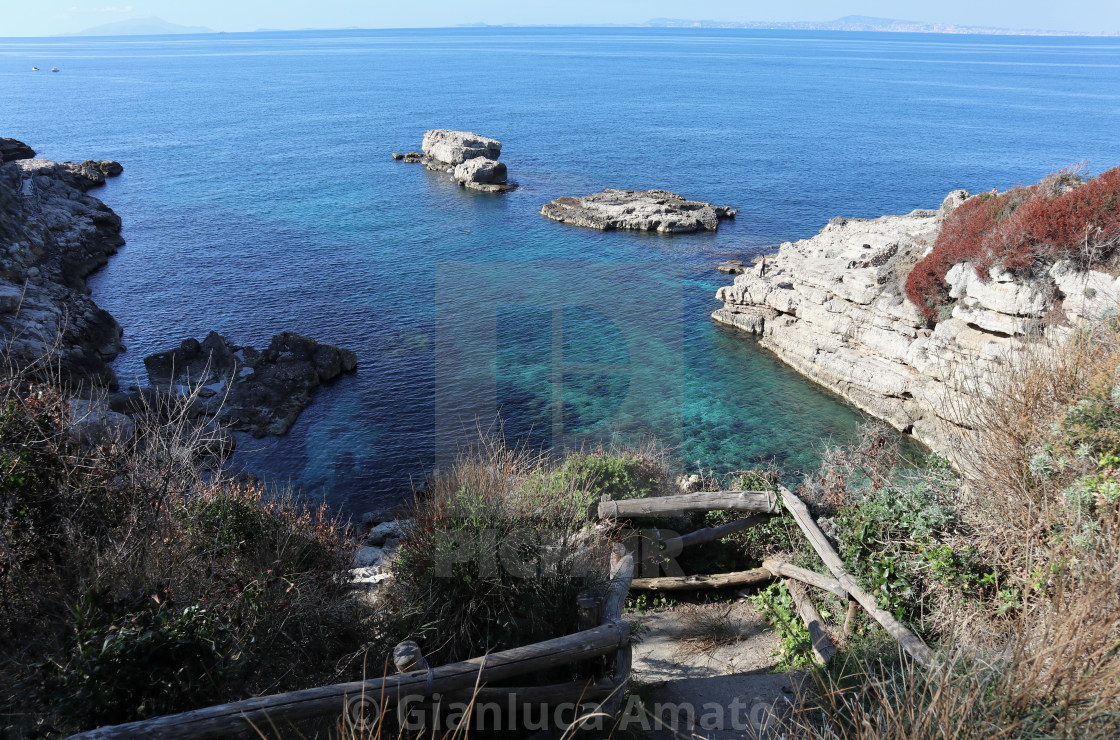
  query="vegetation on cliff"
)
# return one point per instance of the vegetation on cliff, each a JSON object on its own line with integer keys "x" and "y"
{"x": 1009, "y": 565}
{"x": 136, "y": 582}
{"x": 1065, "y": 216}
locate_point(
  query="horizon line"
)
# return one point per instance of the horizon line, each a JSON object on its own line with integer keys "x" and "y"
{"x": 965, "y": 30}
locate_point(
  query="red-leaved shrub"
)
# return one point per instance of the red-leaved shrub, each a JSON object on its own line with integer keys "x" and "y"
{"x": 1062, "y": 217}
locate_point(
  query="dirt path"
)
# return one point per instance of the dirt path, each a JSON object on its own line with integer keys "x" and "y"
{"x": 716, "y": 658}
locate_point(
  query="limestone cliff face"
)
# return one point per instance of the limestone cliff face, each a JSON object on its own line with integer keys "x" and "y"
{"x": 833, "y": 307}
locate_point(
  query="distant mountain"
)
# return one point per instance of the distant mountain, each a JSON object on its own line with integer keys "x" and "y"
{"x": 861, "y": 23}
{"x": 140, "y": 27}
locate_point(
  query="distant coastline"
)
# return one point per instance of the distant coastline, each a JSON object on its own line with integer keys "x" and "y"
{"x": 849, "y": 24}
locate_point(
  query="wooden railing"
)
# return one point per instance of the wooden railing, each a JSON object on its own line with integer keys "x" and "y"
{"x": 603, "y": 634}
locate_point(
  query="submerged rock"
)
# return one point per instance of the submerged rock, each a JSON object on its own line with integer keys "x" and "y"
{"x": 261, "y": 392}
{"x": 409, "y": 158}
{"x": 637, "y": 210}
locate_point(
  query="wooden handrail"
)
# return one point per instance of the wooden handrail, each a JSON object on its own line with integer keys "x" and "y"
{"x": 910, "y": 642}
{"x": 760, "y": 501}
{"x": 676, "y": 544}
{"x": 823, "y": 649}
{"x": 779, "y": 568}
{"x": 242, "y": 716}
{"x": 717, "y": 580}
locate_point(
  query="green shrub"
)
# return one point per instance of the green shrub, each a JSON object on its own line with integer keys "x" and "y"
{"x": 134, "y": 583}
{"x": 795, "y": 649}
{"x": 498, "y": 549}
{"x": 157, "y": 660}
{"x": 617, "y": 476}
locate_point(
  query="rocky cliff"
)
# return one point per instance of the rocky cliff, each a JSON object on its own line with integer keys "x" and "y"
{"x": 833, "y": 307}
{"x": 52, "y": 236}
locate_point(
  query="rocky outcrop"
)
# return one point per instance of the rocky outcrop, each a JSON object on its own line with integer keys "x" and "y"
{"x": 833, "y": 307}
{"x": 480, "y": 170}
{"x": 637, "y": 210}
{"x": 52, "y": 236}
{"x": 261, "y": 392}
{"x": 11, "y": 150}
{"x": 456, "y": 147}
{"x": 471, "y": 160}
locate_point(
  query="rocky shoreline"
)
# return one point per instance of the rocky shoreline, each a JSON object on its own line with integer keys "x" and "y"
{"x": 638, "y": 210}
{"x": 833, "y": 308}
{"x": 53, "y": 235}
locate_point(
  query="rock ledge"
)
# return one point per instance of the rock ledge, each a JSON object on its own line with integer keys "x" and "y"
{"x": 638, "y": 210}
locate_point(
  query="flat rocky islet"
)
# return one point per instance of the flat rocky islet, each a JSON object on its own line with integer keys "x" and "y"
{"x": 638, "y": 210}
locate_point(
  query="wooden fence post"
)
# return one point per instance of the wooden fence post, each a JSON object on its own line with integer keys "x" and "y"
{"x": 910, "y": 642}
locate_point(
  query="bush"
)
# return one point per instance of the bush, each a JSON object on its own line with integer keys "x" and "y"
{"x": 1062, "y": 217}
{"x": 134, "y": 582}
{"x": 1019, "y": 583}
{"x": 499, "y": 547}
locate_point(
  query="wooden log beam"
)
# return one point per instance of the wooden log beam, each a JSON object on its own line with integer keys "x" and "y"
{"x": 241, "y": 716}
{"x": 780, "y": 568}
{"x": 849, "y": 620}
{"x": 676, "y": 544}
{"x": 407, "y": 656}
{"x": 622, "y": 576}
{"x": 760, "y": 501}
{"x": 717, "y": 580}
{"x": 823, "y": 649}
{"x": 910, "y": 642}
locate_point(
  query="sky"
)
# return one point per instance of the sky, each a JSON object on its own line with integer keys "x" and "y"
{"x": 49, "y": 17}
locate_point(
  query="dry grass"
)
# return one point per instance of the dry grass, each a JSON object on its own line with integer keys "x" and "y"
{"x": 1038, "y": 655}
{"x": 707, "y": 628}
{"x": 136, "y": 579}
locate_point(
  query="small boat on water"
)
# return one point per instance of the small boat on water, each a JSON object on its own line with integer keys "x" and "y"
{"x": 34, "y": 69}
{"x": 54, "y": 69}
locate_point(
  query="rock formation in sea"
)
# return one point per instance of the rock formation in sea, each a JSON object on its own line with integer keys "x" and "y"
{"x": 834, "y": 308}
{"x": 471, "y": 160}
{"x": 261, "y": 392}
{"x": 52, "y": 236}
{"x": 638, "y": 210}
{"x": 11, "y": 150}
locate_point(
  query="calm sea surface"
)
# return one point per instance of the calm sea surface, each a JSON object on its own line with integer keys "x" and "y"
{"x": 259, "y": 196}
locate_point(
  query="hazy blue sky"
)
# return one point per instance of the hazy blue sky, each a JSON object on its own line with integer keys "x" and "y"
{"x": 46, "y": 17}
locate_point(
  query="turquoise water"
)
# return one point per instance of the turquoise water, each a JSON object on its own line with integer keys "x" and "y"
{"x": 259, "y": 196}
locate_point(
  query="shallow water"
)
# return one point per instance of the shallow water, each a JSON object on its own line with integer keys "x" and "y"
{"x": 258, "y": 196}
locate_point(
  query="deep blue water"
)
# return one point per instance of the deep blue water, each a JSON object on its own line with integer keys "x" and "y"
{"x": 259, "y": 196}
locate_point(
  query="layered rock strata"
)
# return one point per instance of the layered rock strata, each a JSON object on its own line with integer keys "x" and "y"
{"x": 833, "y": 307}
{"x": 637, "y": 210}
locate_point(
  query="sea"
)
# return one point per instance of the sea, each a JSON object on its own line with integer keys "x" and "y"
{"x": 259, "y": 196}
